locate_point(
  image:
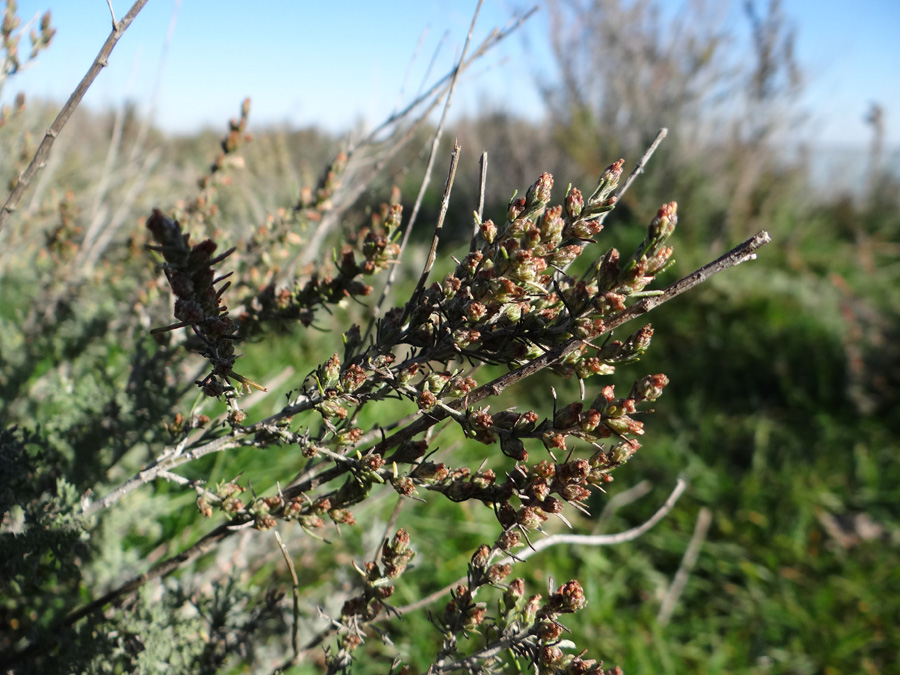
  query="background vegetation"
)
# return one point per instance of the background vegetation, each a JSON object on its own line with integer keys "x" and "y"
{"x": 782, "y": 412}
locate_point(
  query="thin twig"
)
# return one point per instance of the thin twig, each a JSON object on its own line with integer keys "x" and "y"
{"x": 434, "y": 94}
{"x": 639, "y": 167}
{"x": 296, "y": 592}
{"x": 489, "y": 42}
{"x": 392, "y": 522}
{"x": 482, "y": 183}
{"x": 112, "y": 13}
{"x": 475, "y": 662}
{"x": 676, "y": 588}
{"x": 620, "y": 499}
{"x": 426, "y": 179}
{"x": 553, "y": 540}
{"x": 162, "y": 465}
{"x": 40, "y": 155}
{"x": 439, "y": 226}
{"x": 409, "y": 65}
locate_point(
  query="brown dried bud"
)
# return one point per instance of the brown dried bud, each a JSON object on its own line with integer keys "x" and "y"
{"x": 650, "y": 387}
{"x": 553, "y": 440}
{"x": 516, "y": 207}
{"x": 404, "y": 485}
{"x": 513, "y": 447}
{"x": 550, "y": 656}
{"x": 475, "y": 617}
{"x": 548, "y": 631}
{"x": 232, "y": 505}
{"x": 509, "y": 540}
{"x": 575, "y": 493}
{"x": 481, "y": 556}
{"x": 400, "y": 542}
{"x": 352, "y": 378}
{"x": 426, "y": 400}
{"x": 265, "y": 523}
{"x": 530, "y": 517}
{"x": 568, "y": 598}
{"x": 497, "y": 573}
{"x": 342, "y": 516}
{"x": 568, "y": 416}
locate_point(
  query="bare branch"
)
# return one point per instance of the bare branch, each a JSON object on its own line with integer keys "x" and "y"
{"x": 432, "y": 97}
{"x": 43, "y": 151}
{"x": 639, "y": 167}
{"x": 676, "y": 588}
{"x": 482, "y": 183}
{"x": 553, "y": 540}
{"x": 439, "y": 226}
{"x": 112, "y": 13}
{"x": 296, "y": 591}
{"x": 426, "y": 179}
{"x": 620, "y": 499}
{"x": 163, "y": 465}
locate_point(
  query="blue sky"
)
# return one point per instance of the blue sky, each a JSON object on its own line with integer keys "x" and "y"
{"x": 337, "y": 63}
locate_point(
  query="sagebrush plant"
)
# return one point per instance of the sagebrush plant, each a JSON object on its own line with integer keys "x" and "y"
{"x": 105, "y": 399}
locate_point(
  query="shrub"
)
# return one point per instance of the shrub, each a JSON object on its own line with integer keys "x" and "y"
{"x": 128, "y": 425}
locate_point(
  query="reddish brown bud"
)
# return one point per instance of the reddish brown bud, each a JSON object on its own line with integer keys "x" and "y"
{"x": 488, "y": 231}
{"x": 540, "y": 190}
{"x": 568, "y": 598}
{"x": 497, "y": 573}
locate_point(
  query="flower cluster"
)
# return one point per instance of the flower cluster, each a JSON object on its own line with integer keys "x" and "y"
{"x": 198, "y": 303}
{"x": 378, "y": 586}
{"x": 201, "y": 210}
{"x": 510, "y": 299}
{"x": 370, "y": 251}
{"x": 525, "y": 625}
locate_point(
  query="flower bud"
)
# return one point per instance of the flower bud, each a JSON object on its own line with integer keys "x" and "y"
{"x": 204, "y": 507}
{"x": 513, "y": 594}
{"x": 509, "y": 540}
{"x": 352, "y": 378}
{"x": 488, "y": 231}
{"x": 540, "y": 190}
{"x": 568, "y": 598}
{"x": 567, "y": 416}
{"x": 650, "y": 387}
{"x": 608, "y": 182}
{"x": 516, "y": 206}
{"x": 513, "y": 447}
{"x": 329, "y": 371}
{"x": 574, "y": 203}
{"x": 548, "y": 631}
{"x": 497, "y": 573}
{"x": 481, "y": 556}
{"x": 664, "y": 223}
{"x": 552, "y": 223}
